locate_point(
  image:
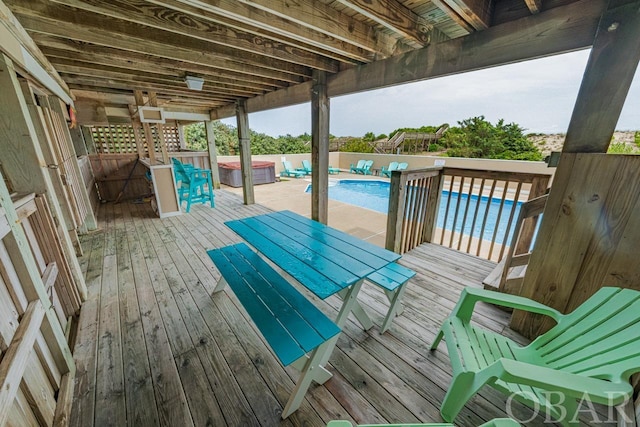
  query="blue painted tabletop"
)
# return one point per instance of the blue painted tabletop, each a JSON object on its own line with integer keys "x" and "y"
{"x": 321, "y": 258}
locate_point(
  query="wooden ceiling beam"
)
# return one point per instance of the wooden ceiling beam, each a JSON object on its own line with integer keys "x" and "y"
{"x": 476, "y": 13}
{"x": 71, "y": 66}
{"x": 396, "y": 17}
{"x": 64, "y": 48}
{"x": 171, "y": 20}
{"x": 139, "y": 68}
{"x": 98, "y": 84}
{"x": 327, "y": 20}
{"x": 165, "y": 101}
{"x": 562, "y": 29}
{"x": 66, "y": 22}
{"x": 234, "y": 14}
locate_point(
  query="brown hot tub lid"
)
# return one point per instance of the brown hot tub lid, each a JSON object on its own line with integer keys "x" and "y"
{"x": 255, "y": 165}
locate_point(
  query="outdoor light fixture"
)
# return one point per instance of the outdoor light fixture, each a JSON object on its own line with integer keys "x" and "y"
{"x": 193, "y": 82}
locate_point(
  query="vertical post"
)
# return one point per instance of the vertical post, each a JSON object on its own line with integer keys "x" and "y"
{"x": 153, "y": 101}
{"x": 137, "y": 126}
{"x": 433, "y": 205}
{"x": 319, "y": 148}
{"x": 395, "y": 216}
{"x": 213, "y": 153}
{"x": 245, "y": 152}
{"x": 148, "y": 135}
{"x": 181, "y": 138}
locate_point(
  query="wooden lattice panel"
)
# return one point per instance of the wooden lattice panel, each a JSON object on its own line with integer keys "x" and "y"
{"x": 120, "y": 139}
{"x": 114, "y": 139}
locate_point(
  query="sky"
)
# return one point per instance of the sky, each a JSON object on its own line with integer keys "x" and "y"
{"x": 539, "y": 95}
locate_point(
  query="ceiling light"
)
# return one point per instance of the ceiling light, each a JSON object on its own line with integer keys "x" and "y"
{"x": 194, "y": 83}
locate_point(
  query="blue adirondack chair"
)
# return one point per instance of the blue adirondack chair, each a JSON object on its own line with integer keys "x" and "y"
{"x": 290, "y": 171}
{"x": 591, "y": 353}
{"x": 387, "y": 171}
{"x": 402, "y": 166}
{"x": 306, "y": 167}
{"x": 353, "y": 168}
{"x": 194, "y": 185}
{"x": 366, "y": 168}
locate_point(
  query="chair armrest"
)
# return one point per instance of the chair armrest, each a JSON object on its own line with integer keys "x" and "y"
{"x": 576, "y": 386}
{"x": 464, "y": 308}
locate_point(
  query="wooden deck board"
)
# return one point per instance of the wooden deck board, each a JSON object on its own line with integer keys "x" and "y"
{"x": 189, "y": 358}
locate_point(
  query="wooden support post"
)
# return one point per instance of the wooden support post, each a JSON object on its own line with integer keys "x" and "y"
{"x": 148, "y": 134}
{"x": 137, "y": 129}
{"x": 610, "y": 69}
{"x": 319, "y": 148}
{"x": 245, "y": 152}
{"x": 153, "y": 101}
{"x": 213, "y": 154}
{"x": 181, "y": 137}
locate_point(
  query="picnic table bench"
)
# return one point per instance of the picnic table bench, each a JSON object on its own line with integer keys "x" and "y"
{"x": 291, "y": 324}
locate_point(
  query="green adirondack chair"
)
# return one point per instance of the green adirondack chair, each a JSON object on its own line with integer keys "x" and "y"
{"x": 498, "y": 422}
{"x": 290, "y": 171}
{"x": 387, "y": 171}
{"x": 353, "y": 168}
{"x": 306, "y": 167}
{"x": 590, "y": 354}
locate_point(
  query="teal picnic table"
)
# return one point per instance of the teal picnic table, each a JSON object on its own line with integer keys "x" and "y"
{"x": 323, "y": 259}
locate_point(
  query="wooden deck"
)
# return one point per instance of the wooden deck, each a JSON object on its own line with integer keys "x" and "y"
{"x": 154, "y": 348}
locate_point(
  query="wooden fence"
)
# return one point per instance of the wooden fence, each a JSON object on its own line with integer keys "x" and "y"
{"x": 472, "y": 211}
{"x": 121, "y": 139}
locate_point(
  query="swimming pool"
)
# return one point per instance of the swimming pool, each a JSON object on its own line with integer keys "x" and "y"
{"x": 374, "y": 195}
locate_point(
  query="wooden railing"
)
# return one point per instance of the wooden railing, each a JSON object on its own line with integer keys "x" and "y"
{"x": 473, "y": 211}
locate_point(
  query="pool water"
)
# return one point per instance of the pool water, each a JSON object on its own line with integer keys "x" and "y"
{"x": 374, "y": 195}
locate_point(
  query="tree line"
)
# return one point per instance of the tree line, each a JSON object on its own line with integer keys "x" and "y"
{"x": 475, "y": 137}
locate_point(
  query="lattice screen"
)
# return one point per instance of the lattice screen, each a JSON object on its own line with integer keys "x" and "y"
{"x": 121, "y": 138}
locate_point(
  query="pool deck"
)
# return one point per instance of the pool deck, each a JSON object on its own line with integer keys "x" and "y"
{"x": 290, "y": 194}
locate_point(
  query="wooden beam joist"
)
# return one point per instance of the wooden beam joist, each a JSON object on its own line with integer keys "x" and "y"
{"x": 63, "y": 21}
{"x": 179, "y": 102}
{"x": 325, "y": 19}
{"x": 153, "y": 16}
{"x": 239, "y": 16}
{"x": 62, "y": 48}
{"x": 396, "y": 17}
{"x": 105, "y": 71}
{"x": 562, "y": 29}
{"x": 476, "y": 13}
{"x": 101, "y": 84}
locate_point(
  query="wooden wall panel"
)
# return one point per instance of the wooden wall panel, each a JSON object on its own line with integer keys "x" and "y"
{"x": 111, "y": 172}
{"x": 589, "y": 236}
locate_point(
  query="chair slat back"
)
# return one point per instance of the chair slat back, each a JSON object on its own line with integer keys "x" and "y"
{"x": 402, "y": 166}
{"x": 600, "y": 339}
{"x": 306, "y": 164}
{"x": 287, "y": 165}
{"x": 180, "y": 171}
{"x": 393, "y": 166}
{"x": 360, "y": 164}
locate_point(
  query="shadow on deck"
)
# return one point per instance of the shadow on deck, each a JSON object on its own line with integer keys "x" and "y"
{"x": 154, "y": 348}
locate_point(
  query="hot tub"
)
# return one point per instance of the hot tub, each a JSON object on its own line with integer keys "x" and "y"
{"x": 231, "y": 175}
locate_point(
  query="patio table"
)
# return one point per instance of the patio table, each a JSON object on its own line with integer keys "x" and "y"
{"x": 323, "y": 259}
